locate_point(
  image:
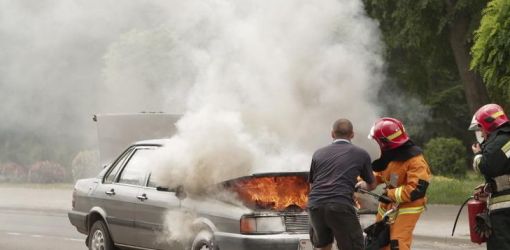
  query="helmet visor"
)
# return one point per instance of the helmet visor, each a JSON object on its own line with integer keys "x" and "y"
{"x": 371, "y": 133}
{"x": 474, "y": 125}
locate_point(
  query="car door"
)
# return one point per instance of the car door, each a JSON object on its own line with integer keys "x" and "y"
{"x": 117, "y": 202}
{"x": 120, "y": 196}
{"x": 151, "y": 216}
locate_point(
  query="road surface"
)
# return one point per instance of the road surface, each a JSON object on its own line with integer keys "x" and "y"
{"x": 36, "y": 218}
{"x": 27, "y": 230}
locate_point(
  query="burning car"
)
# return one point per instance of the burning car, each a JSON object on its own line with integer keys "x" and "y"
{"x": 124, "y": 207}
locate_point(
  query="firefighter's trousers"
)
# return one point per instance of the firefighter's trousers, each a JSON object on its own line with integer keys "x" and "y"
{"x": 500, "y": 238}
{"x": 401, "y": 231}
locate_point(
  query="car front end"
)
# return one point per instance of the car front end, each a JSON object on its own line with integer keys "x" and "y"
{"x": 274, "y": 217}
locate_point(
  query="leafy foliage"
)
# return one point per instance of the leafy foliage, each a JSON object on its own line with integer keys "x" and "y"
{"x": 86, "y": 164}
{"x": 421, "y": 25}
{"x": 47, "y": 172}
{"x": 25, "y": 148}
{"x": 491, "y": 50}
{"x": 12, "y": 172}
{"x": 421, "y": 64}
{"x": 446, "y": 156}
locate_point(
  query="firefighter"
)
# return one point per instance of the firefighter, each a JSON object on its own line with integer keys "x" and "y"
{"x": 492, "y": 159}
{"x": 406, "y": 174}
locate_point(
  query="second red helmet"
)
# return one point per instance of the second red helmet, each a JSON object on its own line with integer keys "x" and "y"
{"x": 489, "y": 117}
{"x": 389, "y": 133}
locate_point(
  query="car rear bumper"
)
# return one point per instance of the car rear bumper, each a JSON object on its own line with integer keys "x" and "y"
{"x": 79, "y": 220}
{"x": 231, "y": 241}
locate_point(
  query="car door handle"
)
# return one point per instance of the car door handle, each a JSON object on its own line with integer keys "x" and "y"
{"x": 142, "y": 197}
{"x": 111, "y": 192}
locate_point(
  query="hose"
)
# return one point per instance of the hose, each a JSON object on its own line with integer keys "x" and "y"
{"x": 458, "y": 213}
{"x": 381, "y": 198}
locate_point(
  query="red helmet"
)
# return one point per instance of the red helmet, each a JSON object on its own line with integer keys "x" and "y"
{"x": 389, "y": 133}
{"x": 490, "y": 117}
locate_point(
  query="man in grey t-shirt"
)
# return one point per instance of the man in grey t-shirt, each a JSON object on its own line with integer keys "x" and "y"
{"x": 333, "y": 178}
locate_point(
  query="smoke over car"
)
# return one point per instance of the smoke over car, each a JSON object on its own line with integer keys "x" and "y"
{"x": 257, "y": 84}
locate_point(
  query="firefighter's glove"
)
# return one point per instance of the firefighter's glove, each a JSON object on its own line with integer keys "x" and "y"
{"x": 360, "y": 185}
{"x": 483, "y": 225}
{"x": 385, "y": 199}
{"x": 481, "y": 192}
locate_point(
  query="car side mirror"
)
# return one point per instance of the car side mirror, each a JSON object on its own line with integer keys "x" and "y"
{"x": 180, "y": 193}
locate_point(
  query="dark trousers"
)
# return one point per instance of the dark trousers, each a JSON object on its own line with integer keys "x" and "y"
{"x": 500, "y": 237}
{"x": 339, "y": 221}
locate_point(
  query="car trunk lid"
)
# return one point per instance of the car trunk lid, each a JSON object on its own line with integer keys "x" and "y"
{"x": 118, "y": 131}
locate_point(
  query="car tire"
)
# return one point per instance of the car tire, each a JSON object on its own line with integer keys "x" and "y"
{"x": 204, "y": 240}
{"x": 99, "y": 237}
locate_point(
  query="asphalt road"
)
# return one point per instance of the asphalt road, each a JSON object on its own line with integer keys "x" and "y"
{"x": 37, "y": 219}
{"x": 28, "y": 229}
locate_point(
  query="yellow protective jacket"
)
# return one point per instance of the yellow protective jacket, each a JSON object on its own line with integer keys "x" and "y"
{"x": 407, "y": 182}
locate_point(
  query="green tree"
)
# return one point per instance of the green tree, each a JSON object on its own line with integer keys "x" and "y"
{"x": 491, "y": 50}
{"x": 428, "y": 45}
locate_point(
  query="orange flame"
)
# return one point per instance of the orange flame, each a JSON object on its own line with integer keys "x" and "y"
{"x": 275, "y": 193}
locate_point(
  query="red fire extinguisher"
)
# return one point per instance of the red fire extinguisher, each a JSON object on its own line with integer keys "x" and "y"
{"x": 475, "y": 207}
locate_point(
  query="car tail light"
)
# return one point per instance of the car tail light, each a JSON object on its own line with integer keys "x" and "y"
{"x": 262, "y": 224}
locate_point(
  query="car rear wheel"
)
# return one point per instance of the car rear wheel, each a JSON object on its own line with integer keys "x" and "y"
{"x": 99, "y": 238}
{"x": 204, "y": 241}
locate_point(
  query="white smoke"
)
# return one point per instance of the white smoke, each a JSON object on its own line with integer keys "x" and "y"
{"x": 286, "y": 69}
{"x": 178, "y": 227}
{"x": 203, "y": 153}
{"x": 259, "y": 83}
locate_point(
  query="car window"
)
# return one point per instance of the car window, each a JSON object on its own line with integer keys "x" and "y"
{"x": 136, "y": 168}
{"x": 115, "y": 169}
{"x": 151, "y": 182}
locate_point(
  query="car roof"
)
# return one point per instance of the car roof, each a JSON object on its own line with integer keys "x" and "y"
{"x": 155, "y": 142}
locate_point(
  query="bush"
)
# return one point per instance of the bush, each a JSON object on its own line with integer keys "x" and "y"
{"x": 12, "y": 172}
{"x": 446, "y": 156}
{"x": 46, "y": 172}
{"x": 86, "y": 164}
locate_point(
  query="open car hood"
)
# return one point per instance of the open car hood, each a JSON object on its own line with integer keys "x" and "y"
{"x": 283, "y": 192}
{"x": 116, "y": 132}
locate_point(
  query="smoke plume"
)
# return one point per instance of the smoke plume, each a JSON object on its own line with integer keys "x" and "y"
{"x": 262, "y": 80}
{"x": 260, "y": 83}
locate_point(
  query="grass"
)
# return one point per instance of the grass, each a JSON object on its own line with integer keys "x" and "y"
{"x": 450, "y": 190}
{"x": 36, "y": 185}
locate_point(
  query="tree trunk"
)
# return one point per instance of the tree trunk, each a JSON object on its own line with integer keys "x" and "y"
{"x": 474, "y": 89}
